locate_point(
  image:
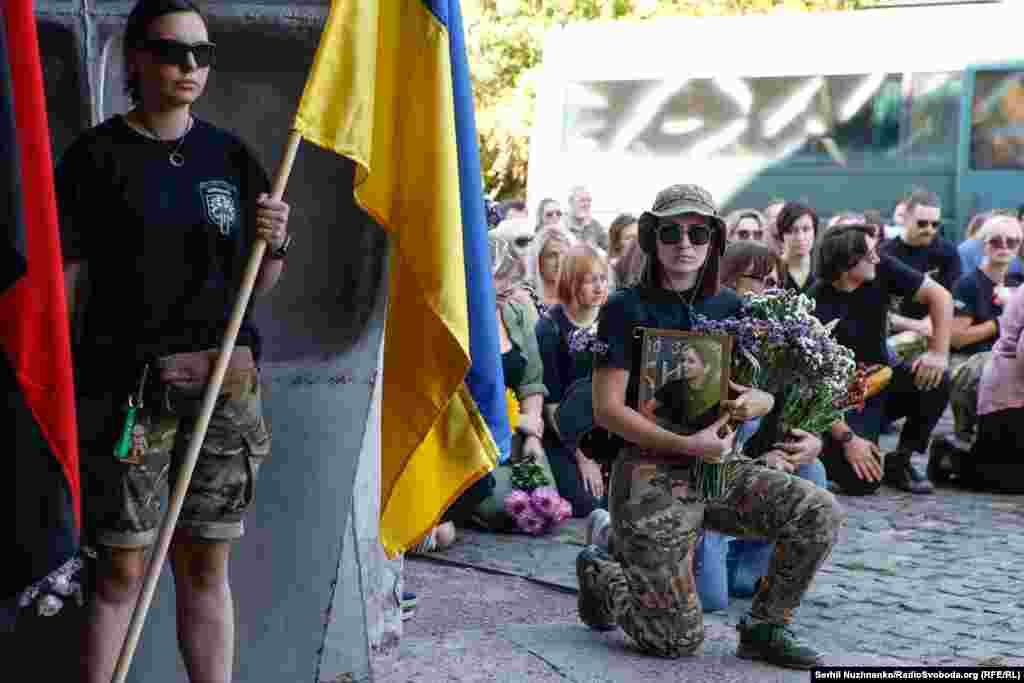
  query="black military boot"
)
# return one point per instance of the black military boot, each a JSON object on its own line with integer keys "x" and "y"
{"x": 774, "y": 644}
{"x": 589, "y": 602}
{"x": 899, "y": 472}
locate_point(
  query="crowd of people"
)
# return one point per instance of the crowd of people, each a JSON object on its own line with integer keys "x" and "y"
{"x": 945, "y": 319}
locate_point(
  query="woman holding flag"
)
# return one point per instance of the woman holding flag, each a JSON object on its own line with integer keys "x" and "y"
{"x": 163, "y": 209}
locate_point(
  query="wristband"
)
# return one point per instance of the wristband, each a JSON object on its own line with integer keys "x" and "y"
{"x": 282, "y": 251}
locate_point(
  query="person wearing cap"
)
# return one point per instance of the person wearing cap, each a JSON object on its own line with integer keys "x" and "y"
{"x": 645, "y": 585}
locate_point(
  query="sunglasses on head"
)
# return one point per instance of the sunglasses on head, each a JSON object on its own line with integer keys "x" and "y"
{"x": 175, "y": 53}
{"x": 744, "y": 234}
{"x": 926, "y": 224}
{"x": 672, "y": 233}
{"x": 1000, "y": 242}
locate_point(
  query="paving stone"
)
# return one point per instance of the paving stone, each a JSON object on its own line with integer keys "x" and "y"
{"x": 933, "y": 580}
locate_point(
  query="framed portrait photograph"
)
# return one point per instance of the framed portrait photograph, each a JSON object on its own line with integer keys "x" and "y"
{"x": 684, "y": 377}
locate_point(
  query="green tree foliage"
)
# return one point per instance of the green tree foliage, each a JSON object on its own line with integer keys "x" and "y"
{"x": 504, "y": 39}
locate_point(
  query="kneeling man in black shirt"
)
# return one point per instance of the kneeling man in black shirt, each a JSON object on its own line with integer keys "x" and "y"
{"x": 855, "y": 287}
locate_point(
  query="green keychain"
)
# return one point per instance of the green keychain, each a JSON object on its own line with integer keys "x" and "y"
{"x": 124, "y": 444}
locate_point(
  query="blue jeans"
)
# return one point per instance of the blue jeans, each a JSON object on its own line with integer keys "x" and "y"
{"x": 725, "y": 566}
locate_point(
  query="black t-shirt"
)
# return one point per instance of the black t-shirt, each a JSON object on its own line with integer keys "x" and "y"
{"x": 643, "y": 306}
{"x": 165, "y": 246}
{"x": 862, "y": 313}
{"x": 790, "y": 284}
{"x": 939, "y": 261}
{"x": 974, "y": 297}
{"x": 562, "y": 366}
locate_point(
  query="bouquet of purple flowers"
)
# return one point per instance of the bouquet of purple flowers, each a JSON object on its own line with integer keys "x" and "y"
{"x": 533, "y": 503}
{"x": 781, "y": 347}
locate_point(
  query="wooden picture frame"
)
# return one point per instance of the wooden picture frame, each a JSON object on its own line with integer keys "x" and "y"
{"x": 684, "y": 377}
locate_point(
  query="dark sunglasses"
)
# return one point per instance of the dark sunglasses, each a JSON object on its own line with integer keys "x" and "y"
{"x": 175, "y": 53}
{"x": 924, "y": 224}
{"x": 523, "y": 242}
{"x": 1000, "y": 242}
{"x": 672, "y": 233}
{"x": 745, "y": 234}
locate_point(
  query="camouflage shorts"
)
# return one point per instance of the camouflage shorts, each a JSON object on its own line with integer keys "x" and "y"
{"x": 123, "y": 501}
{"x": 963, "y": 397}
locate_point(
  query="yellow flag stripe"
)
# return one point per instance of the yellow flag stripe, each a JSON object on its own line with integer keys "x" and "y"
{"x": 395, "y": 119}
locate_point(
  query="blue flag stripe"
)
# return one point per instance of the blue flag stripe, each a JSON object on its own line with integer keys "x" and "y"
{"x": 485, "y": 379}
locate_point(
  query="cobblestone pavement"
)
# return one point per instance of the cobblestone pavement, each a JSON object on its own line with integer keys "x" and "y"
{"x": 929, "y": 580}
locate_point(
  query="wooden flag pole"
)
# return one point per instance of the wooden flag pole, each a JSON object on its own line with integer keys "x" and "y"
{"x": 181, "y": 484}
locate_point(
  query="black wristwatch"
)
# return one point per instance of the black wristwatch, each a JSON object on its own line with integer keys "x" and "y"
{"x": 282, "y": 250}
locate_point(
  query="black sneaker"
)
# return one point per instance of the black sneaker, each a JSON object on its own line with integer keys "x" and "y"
{"x": 589, "y": 603}
{"x": 945, "y": 457}
{"x": 902, "y": 474}
{"x": 776, "y": 645}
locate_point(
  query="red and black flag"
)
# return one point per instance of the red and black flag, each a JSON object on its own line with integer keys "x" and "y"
{"x": 35, "y": 351}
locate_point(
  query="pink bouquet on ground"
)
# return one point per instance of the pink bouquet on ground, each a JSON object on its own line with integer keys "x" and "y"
{"x": 538, "y": 511}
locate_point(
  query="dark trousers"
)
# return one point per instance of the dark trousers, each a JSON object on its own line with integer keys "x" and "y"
{"x": 995, "y": 463}
{"x": 567, "y": 479}
{"x": 923, "y": 410}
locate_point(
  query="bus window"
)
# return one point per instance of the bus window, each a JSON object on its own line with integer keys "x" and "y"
{"x": 934, "y": 119}
{"x": 842, "y": 120}
{"x": 997, "y": 121}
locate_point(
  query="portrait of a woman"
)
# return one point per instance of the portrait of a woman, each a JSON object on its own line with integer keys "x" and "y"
{"x": 690, "y": 402}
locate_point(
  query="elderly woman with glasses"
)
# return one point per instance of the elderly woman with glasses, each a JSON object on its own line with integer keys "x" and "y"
{"x": 164, "y": 208}
{"x": 979, "y": 300}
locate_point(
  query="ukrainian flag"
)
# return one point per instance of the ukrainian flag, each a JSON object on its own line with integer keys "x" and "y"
{"x": 390, "y": 90}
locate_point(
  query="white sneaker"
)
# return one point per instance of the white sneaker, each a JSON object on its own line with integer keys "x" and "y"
{"x": 599, "y": 526}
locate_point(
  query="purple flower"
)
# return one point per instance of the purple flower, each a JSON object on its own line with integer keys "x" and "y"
{"x": 531, "y": 522}
{"x": 545, "y": 501}
{"x": 564, "y": 511}
{"x": 517, "y": 502}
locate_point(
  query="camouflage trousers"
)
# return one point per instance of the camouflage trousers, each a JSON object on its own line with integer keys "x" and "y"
{"x": 656, "y": 513}
{"x": 965, "y": 377}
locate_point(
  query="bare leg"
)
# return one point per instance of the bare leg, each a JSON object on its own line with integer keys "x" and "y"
{"x": 119, "y": 574}
{"x": 206, "y": 615}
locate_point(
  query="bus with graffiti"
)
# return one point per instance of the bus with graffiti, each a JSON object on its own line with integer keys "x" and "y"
{"x": 846, "y": 110}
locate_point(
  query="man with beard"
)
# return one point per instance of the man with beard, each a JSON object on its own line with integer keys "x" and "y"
{"x": 581, "y": 222}
{"x": 922, "y": 248}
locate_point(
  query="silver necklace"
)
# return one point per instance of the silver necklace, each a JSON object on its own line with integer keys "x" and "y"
{"x": 176, "y": 158}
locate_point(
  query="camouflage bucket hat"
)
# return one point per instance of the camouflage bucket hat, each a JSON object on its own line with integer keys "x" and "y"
{"x": 676, "y": 200}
